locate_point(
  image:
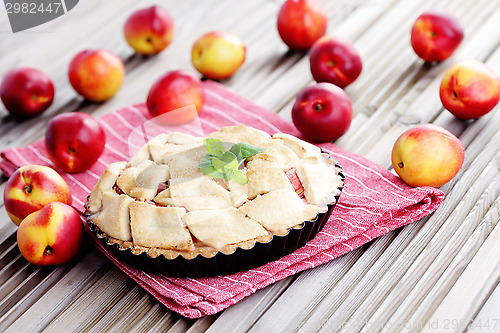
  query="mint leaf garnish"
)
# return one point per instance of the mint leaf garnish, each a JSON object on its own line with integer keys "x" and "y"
{"x": 244, "y": 150}
{"x": 208, "y": 169}
{"x": 218, "y": 164}
{"x": 214, "y": 147}
{"x": 240, "y": 178}
{"x": 228, "y": 174}
{"x": 231, "y": 160}
{"x": 224, "y": 164}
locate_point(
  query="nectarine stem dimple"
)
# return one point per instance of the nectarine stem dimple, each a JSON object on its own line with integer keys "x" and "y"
{"x": 48, "y": 251}
{"x": 27, "y": 189}
{"x": 455, "y": 94}
{"x": 401, "y": 165}
{"x": 318, "y": 107}
{"x": 71, "y": 150}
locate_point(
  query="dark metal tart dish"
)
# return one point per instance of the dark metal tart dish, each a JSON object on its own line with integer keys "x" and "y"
{"x": 234, "y": 200}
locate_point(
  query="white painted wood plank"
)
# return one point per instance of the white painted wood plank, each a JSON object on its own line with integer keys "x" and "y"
{"x": 397, "y": 275}
{"x": 201, "y": 325}
{"x": 303, "y": 296}
{"x": 388, "y": 59}
{"x": 110, "y": 319}
{"x": 28, "y": 294}
{"x": 488, "y": 319}
{"x": 327, "y": 314}
{"x": 61, "y": 294}
{"x": 299, "y": 76}
{"x": 476, "y": 283}
{"x": 357, "y": 298}
{"x": 180, "y": 325}
{"x": 7, "y": 227}
{"x": 101, "y": 295}
{"x": 381, "y": 282}
{"x": 150, "y": 319}
{"x": 143, "y": 71}
{"x": 453, "y": 259}
{"x": 339, "y": 291}
{"x": 164, "y": 323}
{"x": 242, "y": 316}
{"x": 130, "y": 319}
{"x": 436, "y": 232}
{"x": 421, "y": 103}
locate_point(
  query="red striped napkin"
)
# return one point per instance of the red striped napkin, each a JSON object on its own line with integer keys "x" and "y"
{"x": 373, "y": 202}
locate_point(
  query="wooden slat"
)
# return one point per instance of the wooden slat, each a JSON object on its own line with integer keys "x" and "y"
{"x": 470, "y": 243}
{"x": 407, "y": 279}
{"x": 277, "y": 68}
{"x": 395, "y": 275}
{"x": 60, "y": 295}
{"x": 448, "y": 265}
{"x": 481, "y": 276}
{"x": 380, "y": 37}
{"x": 309, "y": 290}
{"x": 443, "y": 222}
{"x": 7, "y": 251}
{"x": 150, "y": 319}
{"x": 134, "y": 307}
{"x": 419, "y": 105}
{"x": 242, "y": 317}
{"x": 27, "y": 297}
{"x": 149, "y": 69}
{"x": 103, "y": 295}
{"x": 165, "y": 322}
{"x": 390, "y": 65}
{"x": 46, "y": 41}
{"x": 297, "y": 77}
{"x": 7, "y": 227}
{"x": 487, "y": 318}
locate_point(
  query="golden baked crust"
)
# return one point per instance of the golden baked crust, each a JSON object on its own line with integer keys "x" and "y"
{"x": 116, "y": 208}
{"x": 219, "y": 227}
{"x": 280, "y": 209}
{"x": 299, "y": 147}
{"x": 265, "y": 175}
{"x": 318, "y": 177}
{"x": 105, "y": 183}
{"x": 161, "y": 203}
{"x": 155, "y": 226}
{"x": 241, "y": 133}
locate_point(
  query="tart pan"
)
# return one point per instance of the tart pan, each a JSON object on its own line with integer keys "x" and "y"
{"x": 222, "y": 264}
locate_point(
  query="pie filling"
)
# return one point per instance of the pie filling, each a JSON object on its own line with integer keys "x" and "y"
{"x": 161, "y": 202}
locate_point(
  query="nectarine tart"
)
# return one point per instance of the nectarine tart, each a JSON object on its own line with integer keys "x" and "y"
{"x": 199, "y": 206}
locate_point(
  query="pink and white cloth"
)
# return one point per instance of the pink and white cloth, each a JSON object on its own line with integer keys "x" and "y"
{"x": 373, "y": 202}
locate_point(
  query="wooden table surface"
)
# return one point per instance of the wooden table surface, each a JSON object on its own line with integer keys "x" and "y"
{"x": 437, "y": 274}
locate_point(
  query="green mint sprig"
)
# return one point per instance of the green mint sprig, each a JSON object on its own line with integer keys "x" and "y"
{"x": 224, "y": 164}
